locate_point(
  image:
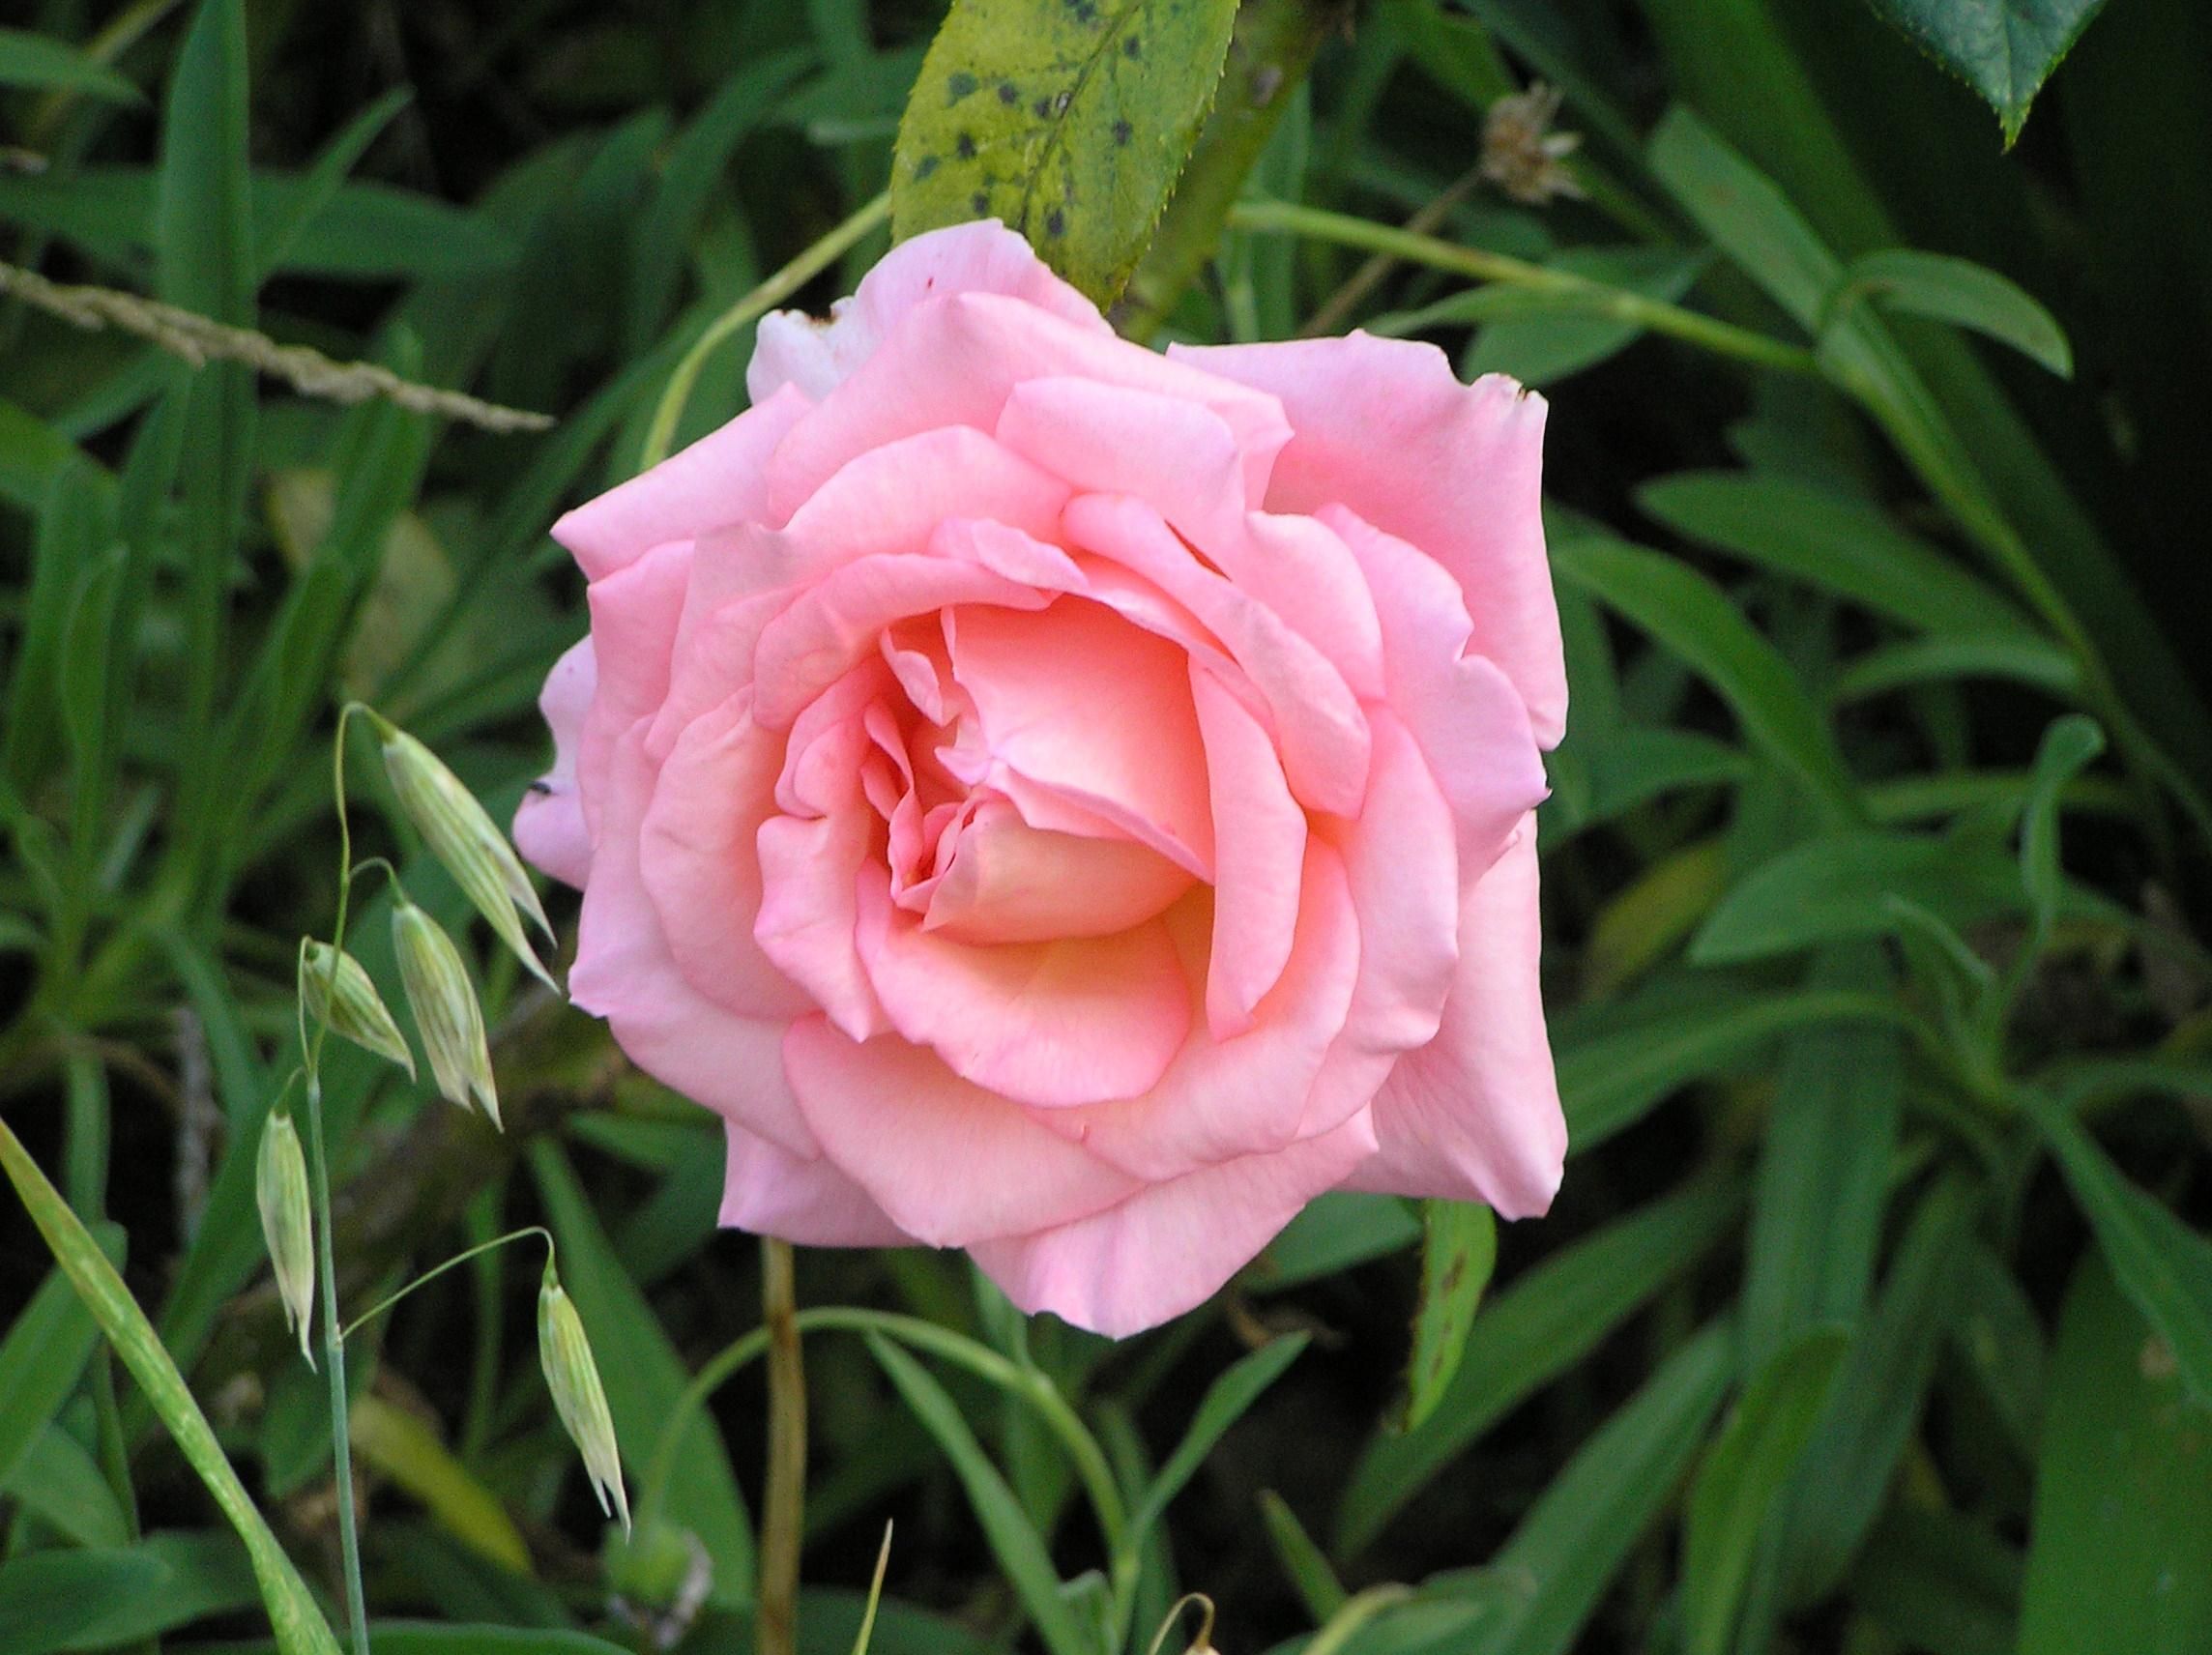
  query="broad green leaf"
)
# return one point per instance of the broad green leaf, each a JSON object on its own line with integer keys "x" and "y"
{"x": 405, "y": 1450}
{"x": 1747, "y": 1466}
{"x": 2004, "y": 49}
{"x": 1874, "y": 1407}
{"x": 1066, "y": 120}
{"x": 1335, "y": 1231}
{"x": 294, "y": 1616}
{"x": 1597, "y": 777}
{"x": 48, "y": 1346}
{"x": 1459, "y": 1249}
{"x": 56, "y": 1600}
{"x": 2160, "y": 1262}
{"x": 201, "y": 1574}
{"x": 1696, "y": 620}
{"x": 1540, "y": 1325}
{"x": 2022, "y": 658}
{"x": 644, "y": 1376}
{"x": 1574, "y": 1540}
{"x": 1941, "y": 1583}
{"x": 1829, "y": 541}
{"x": 406, "y": 1638}
{"x": 1823, "y": 1183}
{"x": 1226, "y": 1401}
{"x": 1999, "y": 1337}
{"x": 1948, "y": 289}
{"x": 1014, "y": 1540}
{"x": 43, "y": 62}
{"x": 57, "y": 1478}
{"x": 1609, "y": 1083}
{"x": 1836, "y": 887}
{"x": 2119, "y": 1561}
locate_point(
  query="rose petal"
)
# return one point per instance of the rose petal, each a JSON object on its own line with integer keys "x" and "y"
{"x": 1260, "y": 848}
{"x": 697, "y": 862}
{"x": 635, "y": 613}
{"x": 1011, "y": 882}
{"x": 1468, "y": 719}
{"x": 1383, "y": 428}
{"x": 1050, "y": 1024}
{"x": 626, "y": 973}
{"x": 1171, "y": 1247}
{"x": 982, "y": 257}
{"x": 549, "y": 822}
{"x": 716, "y": 482}
{"x": 771, "y": 1192}
{"x": 1076, "y": 701}
{"x": 1474, "y": 1115}
{"x": 948, "y": 1162}
{"x": 1317, "y": 725}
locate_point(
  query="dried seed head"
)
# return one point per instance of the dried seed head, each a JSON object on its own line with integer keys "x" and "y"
{"x": 280, "y": 1189}
{"x": 574, "y": 1379}
{"x": 444, "y": 1002}
{"x": 351, "y": 1004}
{"x": 464, "y": 838}
{"x": 1521, "y": 154}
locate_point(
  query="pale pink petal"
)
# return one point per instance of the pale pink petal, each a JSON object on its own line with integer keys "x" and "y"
{"x": 952, "y": 362}
{"x": 1316, "y": 723}
{"x": 1469, "y": 720}
{"x": 1049, "y": 1024}
{"x": 890, "y": 499}
{"x": 1474, "y": 1115}
{"x": 626, "y": 973}
{"x": 716, "y": 482}
{"x": 981, "y": 257}
{"x": 1011, "y": 882}
{"x": 1222, "y": 1098}
{"x": 1182, "y": 460}
{"x": 698, "y": 864}
{"x": 1383, "y": 428}
{"x": 634, "y": 613}
{"x": 1259, "y": 841}
{"x": 839, "y": 621}
{"x": 1171, "y": 1247}
{"x": 948, "y": 1162}
{"x": 772, "y": 1192}
{"x": 549, "y": 822}
{"x": 1075, "y": 700}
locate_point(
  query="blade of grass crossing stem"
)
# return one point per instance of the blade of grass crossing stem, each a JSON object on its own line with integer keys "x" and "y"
{"x": 1014, "y": 1540}
{"x": 1695, "y": 620}
{"x": 645, "y": 1379}
{"x": 1745, "y": 1468}
{"x": 293, "y": 1615}
{"x": 1580, "y": 1532}
{"x": 204, "y": 243}
{"x": 1541, "y": 1324}
{"x": 1459, "y": 1249}
{"x": 2117, "y": 1560}
{"x": 2161, "y": 1264}
{"x": 1226, "y": 1401}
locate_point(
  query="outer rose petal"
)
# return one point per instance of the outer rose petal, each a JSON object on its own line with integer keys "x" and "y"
{"x": 771, "y": 1192}
{"x": 1171, "y": 1245}
{"x": 549, "y": 822}
{"x": 634, "y": 613}
{"x": 718, "y": 481}
{"x": 1383, "y": 427}
{"x": 1476, "y": 1113}
{"x": 948, "y": 1162}
{"x": 625, "y": 973}
{"x": 1261, "y": 840}
{"x": 792, "y": 348}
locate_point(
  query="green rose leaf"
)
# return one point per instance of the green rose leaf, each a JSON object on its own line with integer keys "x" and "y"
{"x": 2004, "y": 49}
{"x": 1066, "y": 120}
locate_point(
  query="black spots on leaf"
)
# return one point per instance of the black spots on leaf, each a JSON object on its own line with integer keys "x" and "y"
{"x": 1055, "y": 223}
{"x": 1084, "y": 11}
{"x": 979, "y": 203}
{"x": 923, "y": 168}
{"x": 1007, "y": 92}
{"x": 1132, "y": 47}
{"x": 964, "y": 146}
{"x": 958, "y": 85}
{"x": 1123, "y": 132}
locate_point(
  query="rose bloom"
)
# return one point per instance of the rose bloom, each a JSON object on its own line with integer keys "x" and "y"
{"x": 1066, "y": 802}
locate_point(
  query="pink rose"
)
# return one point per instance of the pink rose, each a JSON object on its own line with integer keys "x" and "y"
{"x": 1069, "y": 802}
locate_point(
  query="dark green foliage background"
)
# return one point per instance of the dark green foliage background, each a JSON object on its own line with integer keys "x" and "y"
{"x": 1875, "y": 1314}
